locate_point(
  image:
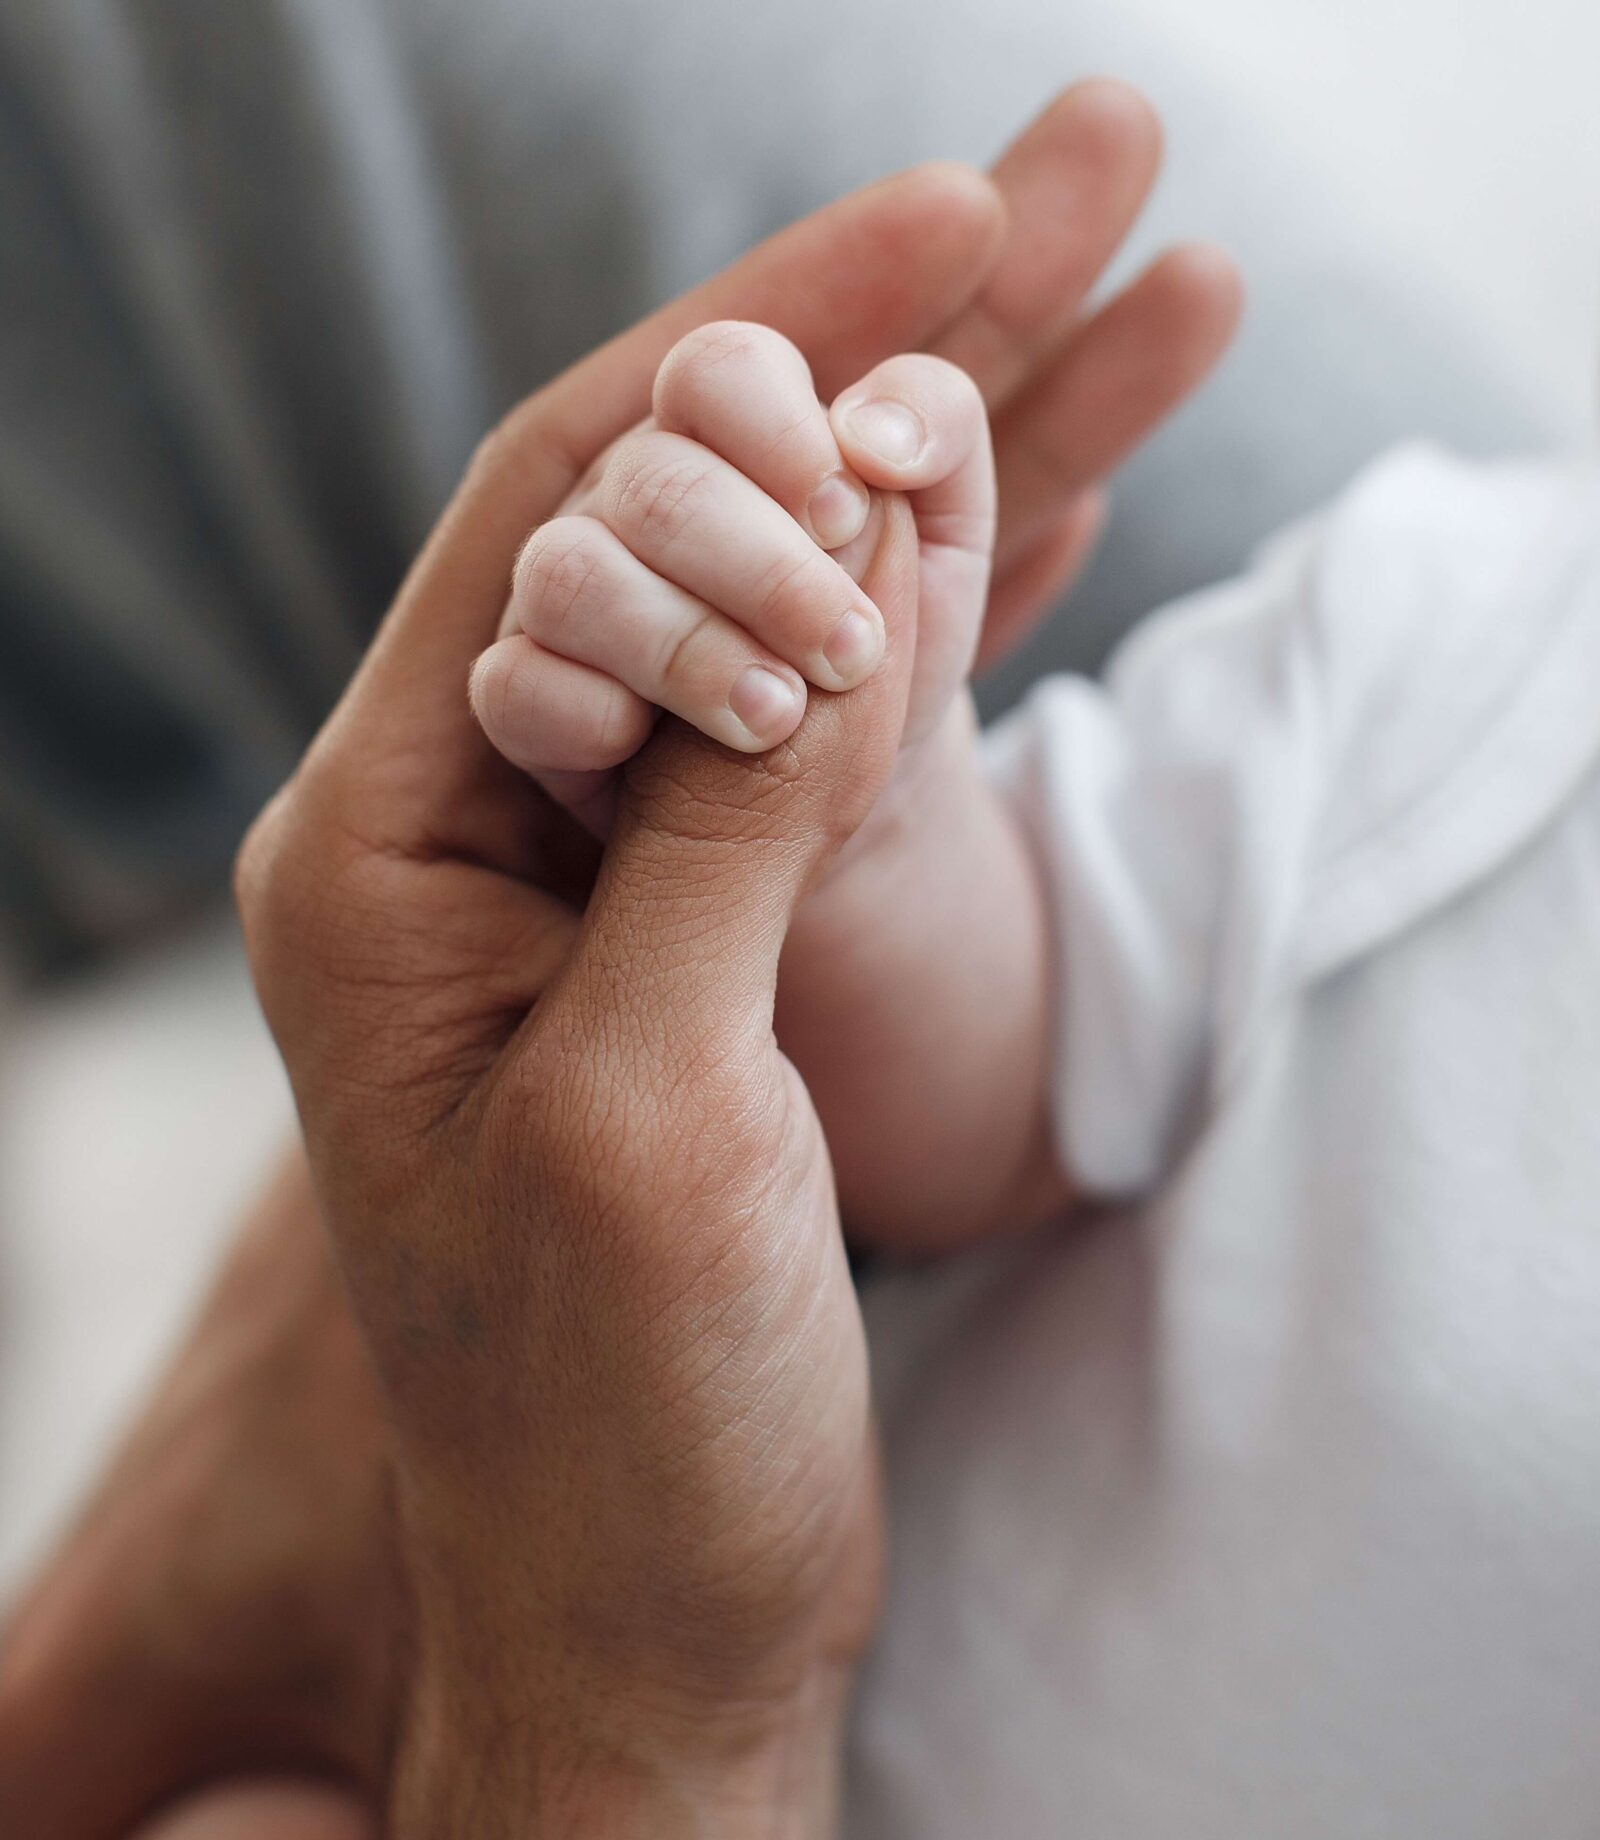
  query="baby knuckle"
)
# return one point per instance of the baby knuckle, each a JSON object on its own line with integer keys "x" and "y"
{"x": 678, "y": 650}
{"x": 622, "y": 729}
{"x": 489, "y": 690}
{"x": 560, "y": 573}
{"x": 656, "y": 488}
{"x": 694, "y": 362}
{"x": 787, "y": 589}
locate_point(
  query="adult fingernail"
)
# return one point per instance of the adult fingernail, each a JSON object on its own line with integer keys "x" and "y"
{"x": 855, "y": 647}
{"x": 766, "y": 705}
{"x": 888, "y": 429}
{"x": 838, "y": 510}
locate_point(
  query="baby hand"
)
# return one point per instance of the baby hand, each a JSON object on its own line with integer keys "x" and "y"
{"x": 709, "y": 565}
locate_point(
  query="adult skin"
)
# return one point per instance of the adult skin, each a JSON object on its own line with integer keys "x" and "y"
{"x": 227, "y": 1604}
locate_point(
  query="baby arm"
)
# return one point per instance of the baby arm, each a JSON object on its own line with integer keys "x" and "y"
{"x": 709, "y": 566}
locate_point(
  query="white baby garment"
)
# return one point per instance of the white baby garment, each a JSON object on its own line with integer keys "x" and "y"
{"x": 1269, "y": 1503}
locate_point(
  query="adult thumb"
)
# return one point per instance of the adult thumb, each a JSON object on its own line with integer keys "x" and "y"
{"x": 712, "y": 850}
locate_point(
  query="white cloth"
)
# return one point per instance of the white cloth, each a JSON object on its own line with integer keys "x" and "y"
{"x": 1271, "y": 1503}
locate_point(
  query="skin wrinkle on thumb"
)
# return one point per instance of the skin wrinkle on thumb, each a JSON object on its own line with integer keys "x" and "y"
{"x": 797, "y": 785}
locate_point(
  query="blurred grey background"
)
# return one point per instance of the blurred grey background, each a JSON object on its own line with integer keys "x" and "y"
{"x": 267, "y": 269}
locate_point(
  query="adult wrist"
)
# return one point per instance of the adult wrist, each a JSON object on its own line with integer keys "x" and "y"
{"x": 609, "y": 1768}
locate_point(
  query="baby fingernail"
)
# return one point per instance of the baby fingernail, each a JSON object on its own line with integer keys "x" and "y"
{"x": 889, "y": 429}
{"x": 854, "y": 647}
{"x": 766, "y": 704}
{"x": 838, "y": 510}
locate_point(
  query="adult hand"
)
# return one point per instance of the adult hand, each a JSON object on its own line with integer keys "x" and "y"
{"x": 586, "y": 1215}
{"x": 993, "y": 278}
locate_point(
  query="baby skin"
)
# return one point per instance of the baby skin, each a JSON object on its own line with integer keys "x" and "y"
{"x": 709, "y": 567}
